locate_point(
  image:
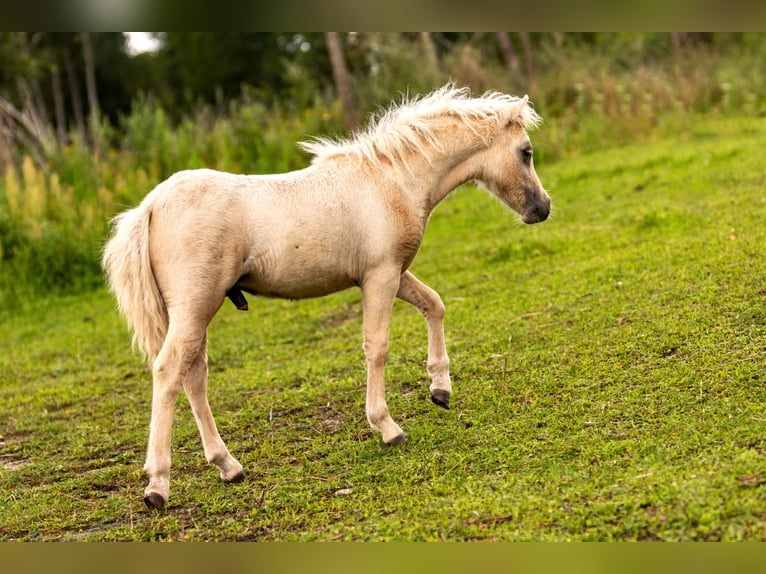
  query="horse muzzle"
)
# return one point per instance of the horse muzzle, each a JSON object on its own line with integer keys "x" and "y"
{"x": 538, "y": 212}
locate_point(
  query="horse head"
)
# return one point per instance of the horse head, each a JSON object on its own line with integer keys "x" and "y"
{"x": 507, "y": 168}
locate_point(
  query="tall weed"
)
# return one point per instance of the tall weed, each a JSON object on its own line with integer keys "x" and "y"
{"x": 49, "y": 241}
{"x": 54, "y": 219}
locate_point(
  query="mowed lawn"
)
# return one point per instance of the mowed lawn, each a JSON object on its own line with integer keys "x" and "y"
{"x": 609, "y": 370}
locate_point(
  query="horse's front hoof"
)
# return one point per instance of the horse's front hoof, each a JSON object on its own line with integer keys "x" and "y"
{"x": 237, "y": 478}
{"x": 154, "y": 501}
{"x": 440, "y": 397}
{"x": 397, "y": 440}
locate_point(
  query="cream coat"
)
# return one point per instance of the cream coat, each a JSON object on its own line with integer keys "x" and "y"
{"x": 354, "y": 217}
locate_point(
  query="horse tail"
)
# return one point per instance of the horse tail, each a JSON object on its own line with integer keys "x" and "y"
{"x": 131, "y": 279}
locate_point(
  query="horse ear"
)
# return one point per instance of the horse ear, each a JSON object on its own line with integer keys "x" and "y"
{"x": 519, "y": 107}
{"x": 515, "y": 110}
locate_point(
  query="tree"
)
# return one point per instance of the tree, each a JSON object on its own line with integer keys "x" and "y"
{"x": 683, "y": 39}
{"x": 429, "y": 51}
{"x": 342, "y": 80}
{"x": 23, "y": 119}
{"x": 74, "y": 91}
{"x": 528, "y": 64}
{"x": 58, "y": 102}
{"x": 210, "y": 66}
{"x": 507, "y": 51}
{"x": 90, "y": 74}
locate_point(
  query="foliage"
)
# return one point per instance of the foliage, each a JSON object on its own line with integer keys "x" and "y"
{"x": 213, "y": 66}
{"x": 608, "y": 367}
{"x": 53, "y": 217}
{"x": 608, "y": 364}
{"x": 15, "y": 61}
{"x": 53, "y": 222}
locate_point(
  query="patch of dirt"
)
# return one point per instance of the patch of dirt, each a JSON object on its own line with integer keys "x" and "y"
{"x": 331, "y": 421}
{"x": 331, "y": 425}
{"x": 343, "y": 316}
{"x": 8, "y": 463}
{"x": 11, "y": 461}
{"x": 755, "y": 479}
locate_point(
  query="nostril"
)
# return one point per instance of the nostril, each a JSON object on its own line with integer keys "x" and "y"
{"x": 544, "y": 210}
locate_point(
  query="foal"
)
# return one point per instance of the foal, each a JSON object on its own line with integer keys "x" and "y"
{"x": 354, "y": 217}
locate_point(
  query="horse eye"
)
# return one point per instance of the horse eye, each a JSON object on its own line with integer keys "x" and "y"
{"x": 526, "y": 154}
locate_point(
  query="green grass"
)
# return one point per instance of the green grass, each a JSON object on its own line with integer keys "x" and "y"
{"x": 608, "y": 365}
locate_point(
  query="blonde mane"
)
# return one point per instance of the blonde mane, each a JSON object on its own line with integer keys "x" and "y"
{"x": 408, "y": 129}
{"x": 202, "y": 236}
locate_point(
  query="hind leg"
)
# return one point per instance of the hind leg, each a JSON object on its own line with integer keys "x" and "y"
{"x": 216, "y": 453}
{"x": 182, "y": 362}
{"x": 194, "y": 263}
{"x": 430, "y": 305}
{"x": 170, "y": 368}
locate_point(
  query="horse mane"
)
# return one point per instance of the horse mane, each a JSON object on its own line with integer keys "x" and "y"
{"x": 408, "y": 128}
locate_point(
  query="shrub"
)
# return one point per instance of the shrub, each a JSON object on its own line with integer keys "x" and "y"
{"x": 592, "y": 90}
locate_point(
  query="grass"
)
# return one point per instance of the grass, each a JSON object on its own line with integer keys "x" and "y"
{"x": 53, "y": 219}
{"x": 54, "y": 211}
{"x": 608, "y": 366}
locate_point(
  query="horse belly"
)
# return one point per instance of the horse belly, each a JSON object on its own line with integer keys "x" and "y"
{"x": 296, "y": 278}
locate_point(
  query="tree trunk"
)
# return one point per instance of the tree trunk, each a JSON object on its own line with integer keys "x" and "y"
{"x": 683, "y": 39}
{"x": 530, "y": 68}
{"x": 90, "y": 74}
{"x": 507, "y": 51}
{"x": 429, "y": 51}
{"x": 36, "y": 93}
{"x": 94, "y": 113}
{"x": 33, "y": 111}
{"x": 58, "y": 103}
{"x": 6, "y": 158}
{"x": 342, "y": 80}
{"x": 28, "y": 136}
{"x": 74, "y": 94}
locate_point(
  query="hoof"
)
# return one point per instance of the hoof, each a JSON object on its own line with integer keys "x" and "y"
{"x": 398, "y": 439}
{"x": 441, "y": 398}
{"x": 154, "y": 501}
{"x": 237, "y": 478}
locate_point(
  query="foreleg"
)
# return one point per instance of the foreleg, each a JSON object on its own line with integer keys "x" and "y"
{"x": 378, "y": 293}
{"x": 430, "y": 305}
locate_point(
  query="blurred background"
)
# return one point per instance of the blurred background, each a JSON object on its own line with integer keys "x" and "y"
{"x": 90, "y": 122}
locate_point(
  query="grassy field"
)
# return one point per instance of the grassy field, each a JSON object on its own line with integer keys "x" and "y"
{"x": 609, "y": 369}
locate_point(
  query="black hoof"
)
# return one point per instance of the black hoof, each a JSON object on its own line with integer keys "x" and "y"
{"x": 398, "y": 439}
{"x": 238, "y": 478}
{"x": 440, "y": 397}
{"x": 154, "y": 501}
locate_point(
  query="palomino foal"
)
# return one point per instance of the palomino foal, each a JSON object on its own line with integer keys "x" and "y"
{"x": 354, "y": 217}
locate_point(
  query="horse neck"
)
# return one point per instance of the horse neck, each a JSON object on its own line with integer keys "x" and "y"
{"x": 458, "y": 168}
{"x": 456, "y": 160}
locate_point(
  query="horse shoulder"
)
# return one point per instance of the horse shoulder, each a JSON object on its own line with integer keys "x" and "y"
{"x": 406, "y": 220}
